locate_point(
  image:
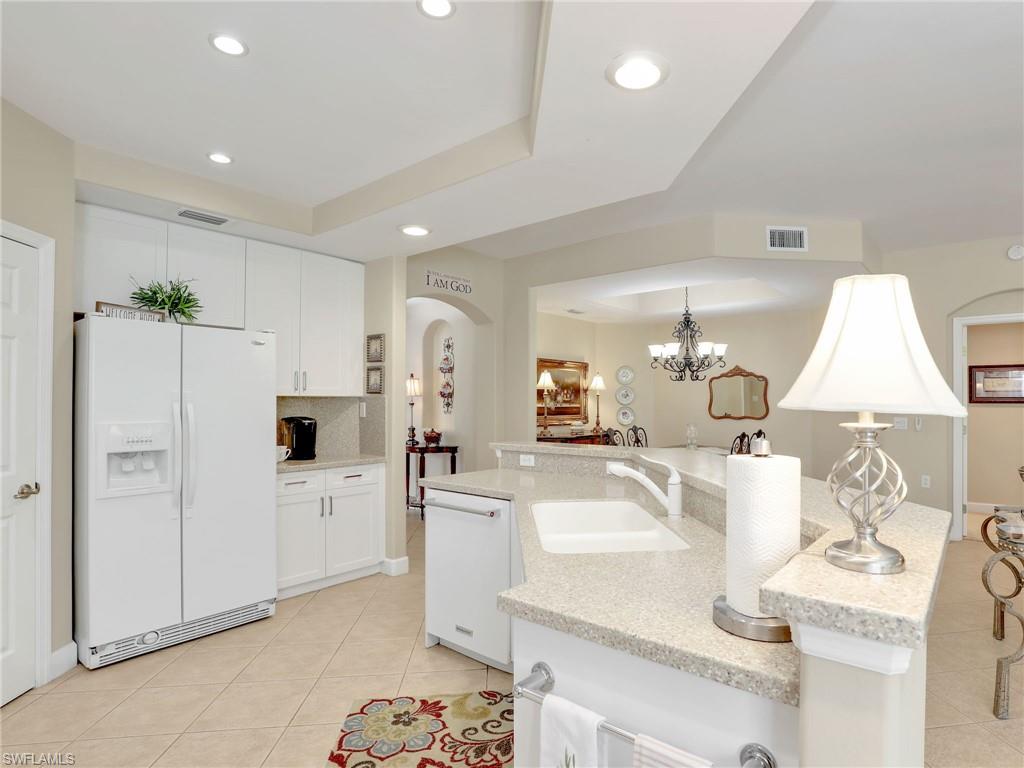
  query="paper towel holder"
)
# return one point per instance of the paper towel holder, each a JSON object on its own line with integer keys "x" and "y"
{"x": 770, "y": 629}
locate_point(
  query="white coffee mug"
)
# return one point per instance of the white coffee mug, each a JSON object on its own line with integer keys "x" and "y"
{"x": 283, "y": 452}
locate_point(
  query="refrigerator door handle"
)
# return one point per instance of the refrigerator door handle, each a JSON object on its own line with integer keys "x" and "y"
{"x": 190, "y": 498}
{"x": 178, "y": 448}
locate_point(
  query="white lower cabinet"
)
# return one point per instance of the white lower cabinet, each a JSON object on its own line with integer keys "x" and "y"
{"x": 330, "y": 525}
{"x": 468, "y": 562}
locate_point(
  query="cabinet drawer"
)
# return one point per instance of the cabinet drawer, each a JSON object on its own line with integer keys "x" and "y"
{"x": 291, "y": 483}
{"x": 344, "y": 477}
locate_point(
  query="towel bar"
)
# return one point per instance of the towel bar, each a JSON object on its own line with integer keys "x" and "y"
{"x": 541, "y": 680}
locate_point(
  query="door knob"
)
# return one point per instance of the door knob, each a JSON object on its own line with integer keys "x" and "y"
{"x": 26, "y": 490}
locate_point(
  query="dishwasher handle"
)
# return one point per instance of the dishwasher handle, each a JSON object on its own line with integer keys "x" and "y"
{"x": 457, "y": 508}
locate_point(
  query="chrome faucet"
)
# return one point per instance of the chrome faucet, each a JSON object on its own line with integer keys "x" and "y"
{"x": 671, "y": 501}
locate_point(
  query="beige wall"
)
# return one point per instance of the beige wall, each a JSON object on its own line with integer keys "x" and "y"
{"x": 995, "y": 436}
{"x": 37, "y": 191}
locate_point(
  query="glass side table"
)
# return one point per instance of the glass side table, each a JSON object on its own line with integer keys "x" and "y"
{"x": 1008, "y": 549}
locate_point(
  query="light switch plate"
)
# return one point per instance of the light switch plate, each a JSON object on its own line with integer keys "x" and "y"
{"x": 526, "y": 460}
{"x": 899, "y": 422}
{"x": 362, "y": 409}
{"x": 926, "y": 481}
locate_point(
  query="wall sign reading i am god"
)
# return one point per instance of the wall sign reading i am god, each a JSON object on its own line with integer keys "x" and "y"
{"x": 449, "y": 283}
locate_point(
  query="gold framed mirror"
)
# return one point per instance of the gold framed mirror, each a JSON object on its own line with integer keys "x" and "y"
{"x": 738, "y": 394}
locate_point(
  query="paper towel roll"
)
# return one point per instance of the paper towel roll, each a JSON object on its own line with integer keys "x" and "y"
{"x": 762, "y": 524}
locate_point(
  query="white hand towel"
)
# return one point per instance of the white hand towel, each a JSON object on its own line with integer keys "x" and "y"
{"x": 648, "y": 752}
{"x": 568, "y": 735}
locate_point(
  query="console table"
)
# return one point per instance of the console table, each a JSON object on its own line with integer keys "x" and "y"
{"x": 587, "y": 438}
{"x": 421, "y": 468}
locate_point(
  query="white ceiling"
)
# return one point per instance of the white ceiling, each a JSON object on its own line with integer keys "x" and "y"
{"x": 717, "y": 286}
{"x": 906, "y": 116}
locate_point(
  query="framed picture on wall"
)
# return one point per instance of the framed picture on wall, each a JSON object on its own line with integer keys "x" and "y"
{"x": 375, "y": 380}
{"x": 375, "y": 348}
{"x": 996, "y": 383}
{"x": 568, "y": 401}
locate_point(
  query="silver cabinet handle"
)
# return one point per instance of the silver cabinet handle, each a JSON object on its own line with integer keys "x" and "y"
{"x": 321, "y": 506}
{"x": 456, "y": 508}
{"x": 352, "y": 477}
{"x": 25, "y": 490}
{"x": 296, "y": 377}
{"x": 330, "y": 506}
{"x": 296, "y": 482}
{"x": 463, "y": 630}
{"x": 303, "y": 381}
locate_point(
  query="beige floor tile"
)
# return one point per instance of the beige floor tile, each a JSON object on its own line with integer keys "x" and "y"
{"x": 256, "y": 633}
{"x": 52, "y": 685}
{"x": 17, "y": 704}
{"x": 59, "y": 716}
{"x": 438, "y": 658}
{"x": 151, "y": 711}
{"x": 941, "y": 660}
{"x": 971, "y": 691}
{"x": 331, "y": 699}
{"x": 304, "y": 746}
{"x": 389, "y": 626}
{"x": 288, "y": 662}
{"x": 128, "y": 752}
{"x": 364, "y": 586}
{"x": 499, "y": 681}
{"x": 221, "y": 749}
{"x": 292, "y": 605}
{"x": 205, "y": 665}
{"x": 408, "y": 582}
{"x": 968, "y": 746}
{"x": 384, "y": 603}
{"x": 1010, "y": 731}
{"x": 253, "y": 705}
{"x": 43, "y": 754}
{"x": 337, "y": 603}
{"x": 129, "y": 674}
{"x": 380, "y": 657}
{"x": 938, "y": 712}
{"x": 435, "y": 683}
{"x": 977, "y": 648}
{"x": 316, "y": 629}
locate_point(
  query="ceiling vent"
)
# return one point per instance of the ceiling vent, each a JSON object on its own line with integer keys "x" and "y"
{"x": 202, "y": 217}
{"x": 787, "y": 238}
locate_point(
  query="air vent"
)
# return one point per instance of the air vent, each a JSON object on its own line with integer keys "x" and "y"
{"x": 787, "y": 238}
{"x": 200, "y": 216}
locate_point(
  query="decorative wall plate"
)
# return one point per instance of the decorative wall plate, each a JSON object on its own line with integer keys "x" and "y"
{"x": 625, "y": 375}
{"x": 625, "y": 416}
{"x": 624, "y": 395}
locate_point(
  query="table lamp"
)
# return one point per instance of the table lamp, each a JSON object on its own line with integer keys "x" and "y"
{"x": 597, "y": 386}
{"x": 547, "y": 384}
{"x": 870, "y": 357}
{"x": 413, "y": 389}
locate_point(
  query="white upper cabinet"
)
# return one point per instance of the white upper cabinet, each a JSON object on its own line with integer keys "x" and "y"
{"x": 331, "y": 326}
{"x": 111, "y": 248}
{"x": 272, "y": 286}
{"x": 215, "y": 263}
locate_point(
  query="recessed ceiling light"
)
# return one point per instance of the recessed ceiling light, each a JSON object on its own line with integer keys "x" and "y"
{"x": 436, "y": 9}
{"x": 219, "y": 157}
{"x": 414, "y": 230}
{"x": 229, "y": 45}
{"x": 637, "y": 71}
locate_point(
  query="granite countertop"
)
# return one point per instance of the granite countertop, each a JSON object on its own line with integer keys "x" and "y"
{"x": 328, "y": 462}
{"x": 657, "y": 605}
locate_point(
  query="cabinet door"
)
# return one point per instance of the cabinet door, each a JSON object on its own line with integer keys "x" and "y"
{"x": 272, "y": 303}
{"x": 111, "y": 248}
{"x": 331, "y": 326}
{"x": 300, "y": 539}
{"x": 215, "y": 263}
{"x": 352, "y": 517}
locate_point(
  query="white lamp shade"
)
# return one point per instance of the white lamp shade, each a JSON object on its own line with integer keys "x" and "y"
{"x": 597, "y": 383}
{"x": 655, "y": 349}
{"x": 545, "y": 381}
{"x": 671, "y": 349}
{"x": 413, "y": 387}
{"x": 705, "y": 348}
{"x": 871, "y": 355}
{"x": 720, "y": 349}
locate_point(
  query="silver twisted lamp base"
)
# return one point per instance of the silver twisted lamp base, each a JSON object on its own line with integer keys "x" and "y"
{"x": 868, "y": 485}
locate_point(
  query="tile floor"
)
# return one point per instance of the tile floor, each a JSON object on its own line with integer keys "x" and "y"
{"x": 273, "y": 693}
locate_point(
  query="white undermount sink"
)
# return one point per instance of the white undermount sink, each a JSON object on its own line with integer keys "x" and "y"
{"x": 578, "y": 527}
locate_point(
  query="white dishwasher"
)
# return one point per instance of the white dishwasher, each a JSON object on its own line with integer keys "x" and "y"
{"x": 468, "y": 562}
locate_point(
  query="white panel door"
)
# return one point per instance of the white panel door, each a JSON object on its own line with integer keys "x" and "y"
{"x": 111, "y": 249}
{"x": 300, "y": 539}
{"x": 331, "y": 326}
{"x": 215, "y": 263}
{"x": 229, "y": 487}
{"x": 272, "y": 303}
{"x": 19, "y": 276}
{"x": 352, "y": 517}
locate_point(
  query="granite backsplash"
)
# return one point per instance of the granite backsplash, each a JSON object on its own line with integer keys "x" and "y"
{"x": 338, "y": 432}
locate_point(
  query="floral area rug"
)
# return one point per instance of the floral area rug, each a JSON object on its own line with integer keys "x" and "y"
{"x": 466, "y": 730}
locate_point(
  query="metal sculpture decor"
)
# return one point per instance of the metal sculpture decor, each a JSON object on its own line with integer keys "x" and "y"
{"x": 447, "y": 369}
{"x": 688, "y": 357}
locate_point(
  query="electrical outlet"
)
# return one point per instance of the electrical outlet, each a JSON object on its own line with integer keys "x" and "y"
{"x": 527, "y": 460}
{"x": 362, "y": 409}
{"x": 918, "y": 423}
{"x": 926, "y": 481}
{"x": 899, "y": 422}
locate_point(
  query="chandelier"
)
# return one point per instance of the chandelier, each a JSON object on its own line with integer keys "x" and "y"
{"x": 688, "y": 356}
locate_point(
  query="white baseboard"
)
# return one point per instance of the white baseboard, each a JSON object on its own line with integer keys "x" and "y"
{"x": 395, "y": 566}
{"x": 64, "y": 659}
{"x": 331, "y": 581}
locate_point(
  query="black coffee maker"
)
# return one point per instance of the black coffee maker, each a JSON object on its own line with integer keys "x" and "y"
{"x": 301, "y": 431}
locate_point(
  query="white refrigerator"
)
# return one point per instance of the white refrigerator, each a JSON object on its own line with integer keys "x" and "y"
{"x": 174, "y": 499}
